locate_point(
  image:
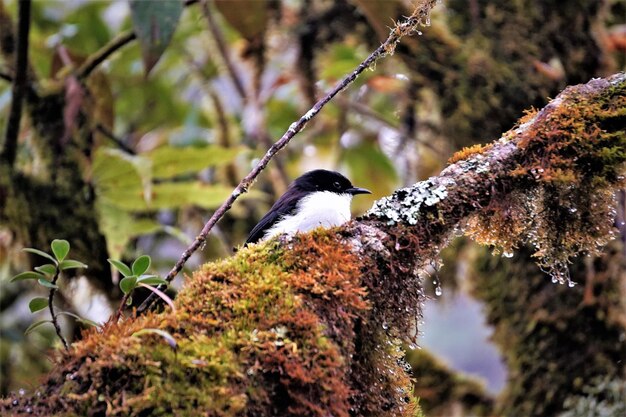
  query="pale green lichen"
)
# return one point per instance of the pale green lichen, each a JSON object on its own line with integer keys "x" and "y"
{"x": 406, "y": 204}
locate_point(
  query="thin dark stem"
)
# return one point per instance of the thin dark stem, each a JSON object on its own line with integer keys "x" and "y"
{"x": 120, "y": 143}
{"x": 6, "y": 76}
{"x": 259, "y": 132}
{"x": 224, "y": 138}
{"x": 55, "y": 320}
{"x": 221, "y": 47}
{"x": 407, "y": 27}
{"x": 118, "y": 313}
{"x": 9, "y": 151}
{"x": 92, "y": 62}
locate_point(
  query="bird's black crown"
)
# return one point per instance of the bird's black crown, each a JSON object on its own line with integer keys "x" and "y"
{"x": 323, "y": 180}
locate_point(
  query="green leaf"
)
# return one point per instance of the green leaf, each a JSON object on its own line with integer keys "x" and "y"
{"x": 119, "y": 226}
{"x": 60, "y": 248}
{"x": 115, "y": 169}
{"x": 141, "y": 265}
{"x": 71, "y": 264}
{"x": 79, "y": 318}
{"x": 172, "y": 195}
{"x": 121, "y": 266}
{"x": 341, "y": 60}
{"x": 45, "y": 283}
{"x": 37, "y": 303}
{"x": 47, "y": 269}
{"x": 129, "y": 301}
{"x": 165, "y": 335}
{"x": 248, "y": 17}
{"x": 151, "y": 280}
{"x": 40, "y": 253}
{"x": 35, "y": 325}
{"x": 170, "y": 161}
{"x": 128, "y": 284}
{"x": 154, "y": 23}
{"x": 26, "y": 275}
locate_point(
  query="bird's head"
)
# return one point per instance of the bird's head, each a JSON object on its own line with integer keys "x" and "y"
{"x": 324, "y": 180}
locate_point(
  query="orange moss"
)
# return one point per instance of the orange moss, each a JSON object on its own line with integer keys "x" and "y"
{"x": 529, "y": 114}
{"x": 270, "y": 331}
{"x": 468, "y": 151}
{"x": 572, "y": 160}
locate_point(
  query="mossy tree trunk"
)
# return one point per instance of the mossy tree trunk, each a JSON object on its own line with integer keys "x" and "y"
{"x": 313, "y": 324}
{"x": 45, "y": 193}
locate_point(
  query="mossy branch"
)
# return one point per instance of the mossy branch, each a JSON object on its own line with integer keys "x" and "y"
{"x": 312, "y": 325}
{"x": 407, "y": 27}
{"x": 549, "y": 182}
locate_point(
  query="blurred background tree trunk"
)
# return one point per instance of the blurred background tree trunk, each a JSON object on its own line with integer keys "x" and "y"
{"x": 238, "y": 83}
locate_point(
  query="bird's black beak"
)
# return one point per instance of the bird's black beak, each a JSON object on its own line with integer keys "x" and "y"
{"x": 357, "y": 190}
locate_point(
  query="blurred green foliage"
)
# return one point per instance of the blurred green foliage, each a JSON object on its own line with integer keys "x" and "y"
{"x": 164, "y": 149}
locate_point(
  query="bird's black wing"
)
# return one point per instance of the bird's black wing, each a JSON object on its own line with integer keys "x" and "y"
{"x": 285, "y": 206}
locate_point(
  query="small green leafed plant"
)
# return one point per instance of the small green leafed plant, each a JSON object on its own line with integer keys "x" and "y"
{"x": 47, "y": 276}
{"x": 136, "y": 276}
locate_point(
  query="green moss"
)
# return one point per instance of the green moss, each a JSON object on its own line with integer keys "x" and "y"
{"x": 555, "y": 339}
{"x": 440, "y": 389}
{"x": 488, "y": 62}
{"x": 275, "y": 330}
{"x": 572, "y": 161}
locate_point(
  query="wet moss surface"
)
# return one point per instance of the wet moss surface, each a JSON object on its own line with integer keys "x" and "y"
{"x": 276, "y": 330}
{"x": 556, "y": 340}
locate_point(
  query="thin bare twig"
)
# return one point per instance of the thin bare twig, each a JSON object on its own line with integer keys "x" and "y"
{"x": 55, "y": 320}
{"x": 9, "y": 150}
{"x": 6, "y": 76}
{"x": 119, "y": 142}
{"x": 407, "y": 27}
{"x": 120, "y": 309}
{"x": 218, "y": 38}
{"x": 249, "y": 98}
{"x": 368, "y": 112}
{"x": 92, "y": 62}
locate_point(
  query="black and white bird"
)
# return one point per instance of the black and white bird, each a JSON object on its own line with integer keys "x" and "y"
{"x": 317, "y": 198}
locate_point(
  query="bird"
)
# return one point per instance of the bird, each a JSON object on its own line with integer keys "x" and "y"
{"x": 316, "y": 198}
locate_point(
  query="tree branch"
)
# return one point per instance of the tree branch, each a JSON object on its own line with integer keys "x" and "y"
{"x": 92, "y": 62}
{"x": 9, "y": 150}
{"x": 221, "y": 47}
{"x": 335, "y": 305}
{"x": 407, "y": 27}
{"x": 5, "y": 75}
{"x": 539, "y": 184}
{"x": 119, "y": 142}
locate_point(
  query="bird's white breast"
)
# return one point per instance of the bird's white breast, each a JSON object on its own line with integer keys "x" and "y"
{"x": 318, "y": 209}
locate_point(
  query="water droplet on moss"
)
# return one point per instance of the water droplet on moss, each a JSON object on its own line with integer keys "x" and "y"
{"x": 438, "y": 291}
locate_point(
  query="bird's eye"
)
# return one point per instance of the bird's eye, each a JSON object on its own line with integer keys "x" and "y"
{"x": 337, "y": 185}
